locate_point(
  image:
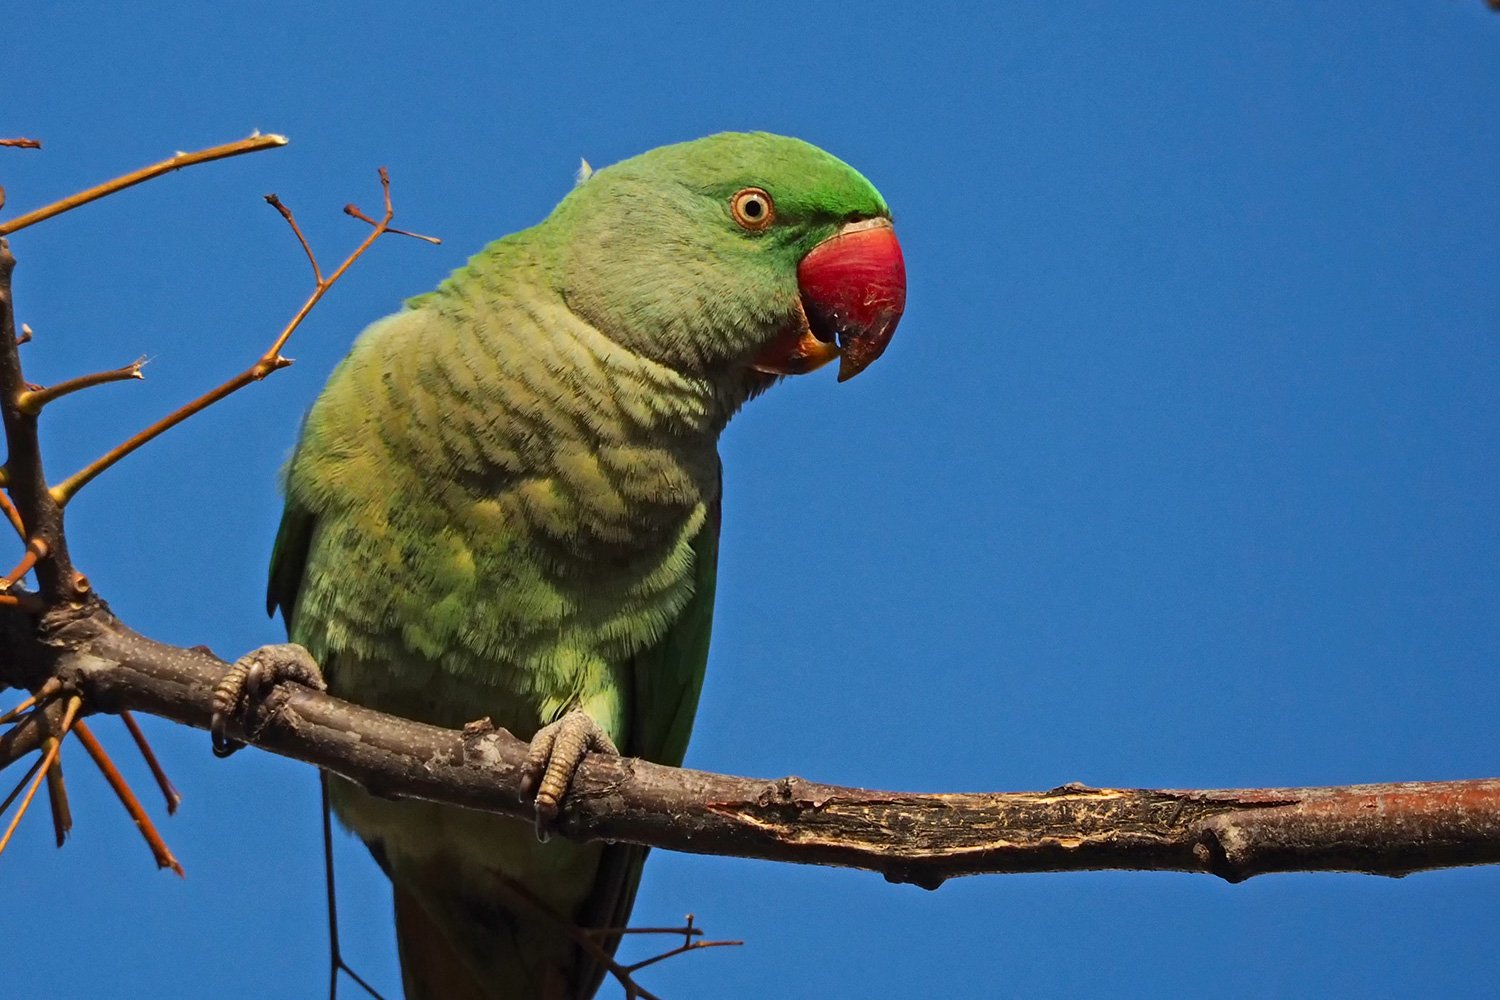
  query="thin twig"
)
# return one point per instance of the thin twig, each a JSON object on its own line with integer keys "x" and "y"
{"x": 268, "y": 362}
{"x": 688, "y": 945}
{"x": 353, "y": 210}
{"x": 22, "y": 143}
{"x": 48, "y": 757}
{"x": 49, "y": 688}
{"x": 25, "y": 479}
{"x": 31, "y": 401}
{"x": 31, "y": 771}
{"x": 596, "y": 951}
{"x": 12, "y": 515}
{"x": 168, "y": 790}
{"x": 249, "y": 145}
{"x": 607, "y": 931}
{"x": 286, "y": 213}
{"x": 26, "y": 602}
{"x": 35, "y": 549}
{"x": 335, "y": 954}
{"x": 127, "y": 798}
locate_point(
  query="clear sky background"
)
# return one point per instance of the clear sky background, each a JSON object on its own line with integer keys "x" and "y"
{"x": 1181, "y": 470}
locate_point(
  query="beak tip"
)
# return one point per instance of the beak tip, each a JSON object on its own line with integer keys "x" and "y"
{"x": 854, "y": 283}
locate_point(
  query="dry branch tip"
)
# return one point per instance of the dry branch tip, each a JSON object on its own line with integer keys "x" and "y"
{"x": 127, "y": 797}
{"x": 31, "y": 400}
{"x": 52, "y": 745}
{"x": 253, "y": 143}
{"x": 270, "y": 361}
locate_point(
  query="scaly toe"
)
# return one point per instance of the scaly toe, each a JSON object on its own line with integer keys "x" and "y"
{"x": 556, "y": 751}
{"x": 253, "y": 677}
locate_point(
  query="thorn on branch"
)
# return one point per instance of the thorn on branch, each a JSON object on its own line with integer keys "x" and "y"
{"x": 159, "y": 851}
{"x": 53, "y": 744}
{"x": 22, "y": 143}
{"x": 57, "y": 796}
{"x": 31, "y": 401}
{"x": 168, "y": 790}
{"x": 25, "y": 337}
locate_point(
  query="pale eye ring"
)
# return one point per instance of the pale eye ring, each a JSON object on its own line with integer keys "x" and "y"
{"x": 752, "y": 209}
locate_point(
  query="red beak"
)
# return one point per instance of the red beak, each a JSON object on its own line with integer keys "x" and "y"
{"x": 853, "y": 292}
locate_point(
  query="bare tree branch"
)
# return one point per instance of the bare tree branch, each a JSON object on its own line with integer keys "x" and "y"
{"x": 1381, "y": 829}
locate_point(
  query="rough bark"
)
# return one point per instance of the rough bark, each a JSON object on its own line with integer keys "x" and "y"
{"x": 1388, "y": 829}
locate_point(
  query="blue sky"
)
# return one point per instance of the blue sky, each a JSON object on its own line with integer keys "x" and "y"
{"x": 1181, "y": 470}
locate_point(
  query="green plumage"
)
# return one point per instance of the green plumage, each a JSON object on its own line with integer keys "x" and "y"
{"x": 505, "y": 504}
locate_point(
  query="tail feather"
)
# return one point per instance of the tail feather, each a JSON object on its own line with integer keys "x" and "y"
{"x": 430, "y": 967}
{"x": 477, "y": 956}
{"x": 456, "y": 947}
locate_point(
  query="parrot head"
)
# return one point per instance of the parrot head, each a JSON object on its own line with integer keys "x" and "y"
{"x": 741, "y": 256}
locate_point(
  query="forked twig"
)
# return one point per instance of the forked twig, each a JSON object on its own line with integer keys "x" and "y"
{"x": 335, "y": 955}
{"x": 270, "y": 361}
{"x": 251, "y": 144}
{"x": 584, "y": 939}
{"x": 159, "y": 850}
{"x": 57, "y": 798}
{"x": 57, "y": 792}
{"x": 688, "y": 944}
{"x": 353, "y": 211}
{"x": 54, "y": 744}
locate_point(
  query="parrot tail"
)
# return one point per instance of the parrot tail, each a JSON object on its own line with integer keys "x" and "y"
{"x": 433, "y": 969}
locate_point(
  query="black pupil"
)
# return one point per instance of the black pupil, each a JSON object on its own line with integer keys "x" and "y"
{"x": 753, "y": 207}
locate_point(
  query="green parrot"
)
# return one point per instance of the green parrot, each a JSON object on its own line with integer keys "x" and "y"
{"x": 505, "y": 504}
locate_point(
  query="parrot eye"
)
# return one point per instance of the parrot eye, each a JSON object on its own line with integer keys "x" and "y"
{"x": 752, "y": 209}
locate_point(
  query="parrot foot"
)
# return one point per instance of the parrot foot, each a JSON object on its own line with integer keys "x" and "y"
{"x": 556, "y": 752}
{"x": 254, "y": 677}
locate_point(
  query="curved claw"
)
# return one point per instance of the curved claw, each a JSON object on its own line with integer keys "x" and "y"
{"x": 252, "y": 678}
{"x": 555, "y": 753}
